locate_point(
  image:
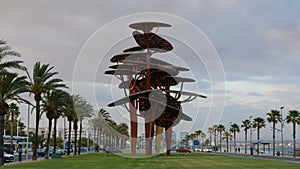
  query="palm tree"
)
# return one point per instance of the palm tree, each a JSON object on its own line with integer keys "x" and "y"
{"x": 220, "y": 129}
{"x": 111, "y": 132}
{"x": 210, "y": 131}
{"x": 102, "y": 118}
{"x": 293, "y": 117}
{"x": 227, "y": 136}
{"x": 187, "y": 139}
{"x": 41, "y": 82}
{"x": 202, "y": 136}
{"x": 11, "y": 86}
{"x": 69, "y": 119}
{"x": 215, "y": 128}
{"x": 13, "y": 113}
{"x": 258, "y": 123}
{"x": 52, "y": 105}
{"x": 234, "y": 128}
{"x": 193, "y": 136}
{"x": 246, "y": 124}
{"x": 5, "y": 51}
{"x": 70, "y": 113}
{"x": 75, "y": 127}
{"x": 94, "y": 124}
{"x": 56, "y": 116}
{"x": 198, "y": 132}
{"x": 83, "y": 110}
{"x": 273, "y": 117}
{"x": 123, "y": 130}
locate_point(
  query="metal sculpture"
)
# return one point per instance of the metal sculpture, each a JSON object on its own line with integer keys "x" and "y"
{"x": 148, "y": 81}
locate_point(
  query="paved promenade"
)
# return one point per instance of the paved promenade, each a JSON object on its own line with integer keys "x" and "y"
{"x": 262, "y": 156}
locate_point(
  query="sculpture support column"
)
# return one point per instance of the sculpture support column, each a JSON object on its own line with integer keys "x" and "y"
{"x": 168, "y": 135}
{"x": 148, "y": 137}
{"x": 133, "y": 125}
{"x": 159, "y": 131}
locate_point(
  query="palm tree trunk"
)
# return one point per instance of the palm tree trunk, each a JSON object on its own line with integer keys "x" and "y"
{"x": 294, "y": 138}
{"x": 100, "y": 135}
{"x": 110, "y": 140}
{"x": 48, "y": 140}
{"x": 75, "y": 137}
{"x": 210, "y": 139}
{"x": 2, "y": 114}
{"x": 215, "y": 140}
{"x": 12, "y": 130}
{"x": 220, "y": 141}
{"x": 37, "y": 99}
{"x": 245, "y": 141}
{"x": 95, "y": 129}
{"x": 97, "y": 136}
{"x": 257, "y": 139}
{"x": 234, "y": 135}
{"x": 69, "y": 137}
{"x": 54, "y": 136}
{"x": 227, "y": 144}
{"x": 79, "y": 141}
{"x": 75, "y": 142}
{"x": 273, "y": 138}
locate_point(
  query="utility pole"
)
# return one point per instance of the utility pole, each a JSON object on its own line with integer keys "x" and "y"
{"x": 282, "y": 123}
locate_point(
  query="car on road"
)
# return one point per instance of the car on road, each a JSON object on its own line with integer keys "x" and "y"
{"x": 113, "y": 150}
{"x": 207, "y": 149}
{"x": 8, "y": 157}
{"x": 183, "y": 150}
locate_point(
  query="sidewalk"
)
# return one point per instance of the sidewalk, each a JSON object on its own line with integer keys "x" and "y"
{"x": 261, "y": 156}
{"x": 23, "y": 159}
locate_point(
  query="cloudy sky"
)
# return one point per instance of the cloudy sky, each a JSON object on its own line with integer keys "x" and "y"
{"x": 257, "y": 43}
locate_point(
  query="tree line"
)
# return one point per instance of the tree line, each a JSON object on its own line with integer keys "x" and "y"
{"x": 274, "y": 117}
{"x": 50, "y": 97}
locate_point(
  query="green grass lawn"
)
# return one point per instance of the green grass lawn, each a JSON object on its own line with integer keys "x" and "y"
{"x": 194, "y": 160}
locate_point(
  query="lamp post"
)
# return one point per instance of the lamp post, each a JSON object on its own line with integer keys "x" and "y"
{"x": 251, "y": 148}
{"x": 27, "y": 139}
{"x": 281, "y": 129}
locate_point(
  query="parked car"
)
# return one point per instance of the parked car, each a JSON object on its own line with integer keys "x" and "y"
{"x": 8, "y": 157}
{"x": 113, "y": 150}
{"x": 60, "y": 151}
{"x": 66, "y": 150}
{"x": 198, "y": 150}
{"x": 40, "y": 153}
{"x": 8, "y": 151}
{"x": 183, "y": 150}
{"x": 83, "y": 149}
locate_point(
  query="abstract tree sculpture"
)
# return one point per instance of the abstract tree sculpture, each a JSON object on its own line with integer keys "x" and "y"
{"x": 147, "y": 83}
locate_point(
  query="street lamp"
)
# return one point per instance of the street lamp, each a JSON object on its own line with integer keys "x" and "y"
{"x": 27, "y": 138}
{"x": 281, "y": 129}
{"x": 251, "y": 148}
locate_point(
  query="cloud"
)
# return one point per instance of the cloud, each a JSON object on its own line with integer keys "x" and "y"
{"x": 257, "y": 41}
